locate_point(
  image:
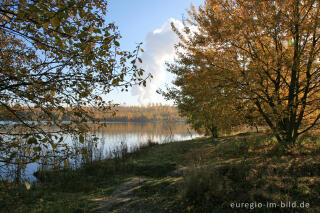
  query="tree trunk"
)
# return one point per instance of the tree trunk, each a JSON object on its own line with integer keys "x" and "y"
{"x": 214, "y": 132}
{"x": 287, "y": 132}
{"x": 18, "y": 174}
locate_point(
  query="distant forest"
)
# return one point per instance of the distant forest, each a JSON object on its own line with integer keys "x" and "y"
{"x": 152, "y": 112}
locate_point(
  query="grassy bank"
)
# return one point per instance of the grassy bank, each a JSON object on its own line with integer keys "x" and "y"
{"x": 201, "y": 175}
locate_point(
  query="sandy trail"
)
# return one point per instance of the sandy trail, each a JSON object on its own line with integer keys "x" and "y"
{"x": 123, "y": 196}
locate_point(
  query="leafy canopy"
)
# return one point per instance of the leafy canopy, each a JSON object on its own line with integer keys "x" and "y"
{"x": 57, "y": 57}
{"x": 269, "y": 51}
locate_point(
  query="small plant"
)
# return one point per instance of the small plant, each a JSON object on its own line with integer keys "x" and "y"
{"x": 150, "y": 143}
{"x": 120, "y": 152}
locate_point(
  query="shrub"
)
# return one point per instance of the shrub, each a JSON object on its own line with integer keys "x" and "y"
{"x": 213, "y": 187}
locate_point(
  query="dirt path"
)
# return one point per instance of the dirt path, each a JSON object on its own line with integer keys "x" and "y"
{"x": 121, "y": 197}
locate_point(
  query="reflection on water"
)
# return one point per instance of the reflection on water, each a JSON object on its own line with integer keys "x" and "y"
{"x": 138, "y": 133}
{"x": 106, "y": 141}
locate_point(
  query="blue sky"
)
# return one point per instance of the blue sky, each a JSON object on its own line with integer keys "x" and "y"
{"x": 148, "y": 21}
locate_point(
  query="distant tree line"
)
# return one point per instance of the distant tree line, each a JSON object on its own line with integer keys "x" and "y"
{"x": 152, "y": 112}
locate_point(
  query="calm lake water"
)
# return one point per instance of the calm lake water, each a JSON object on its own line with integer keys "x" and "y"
{"x": 114, "y": 136}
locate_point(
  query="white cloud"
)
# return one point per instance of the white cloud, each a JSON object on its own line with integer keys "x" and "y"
{"x": 159, "y": 48}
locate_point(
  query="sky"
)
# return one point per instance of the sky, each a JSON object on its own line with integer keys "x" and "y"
{"x": 148, "y": 21}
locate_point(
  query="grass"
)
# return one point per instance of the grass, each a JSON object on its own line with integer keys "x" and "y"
{"x": 200, "y": 175}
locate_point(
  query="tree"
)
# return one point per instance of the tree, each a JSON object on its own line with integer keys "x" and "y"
{"x": 269, "y": 50}
{"x": 57, "y": 58}
{"x": 208, "y": 106}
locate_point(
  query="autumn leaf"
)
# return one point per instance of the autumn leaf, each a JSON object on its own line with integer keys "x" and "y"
{"x": 45, "y": 25}
{"x": 66, "y": 163}
{"x": 27, "y": 185}
{"x": 55, "y": 21}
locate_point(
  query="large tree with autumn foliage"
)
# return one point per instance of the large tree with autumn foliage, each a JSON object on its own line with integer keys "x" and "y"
{"x": 207, "y": 104}
{"x": 56, "y": 57}
{"x": 269, "y": 50}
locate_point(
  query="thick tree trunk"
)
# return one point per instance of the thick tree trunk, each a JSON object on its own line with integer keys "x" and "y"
{"x": 288, "y": 132}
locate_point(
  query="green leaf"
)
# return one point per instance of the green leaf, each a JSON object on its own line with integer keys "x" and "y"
{"x": 81, "y": 139}
{"x": 32, "y": 140}
{"x": 116, "y": 43}
{"x": 37, "y": 149}
{"x": 292, "y": 42}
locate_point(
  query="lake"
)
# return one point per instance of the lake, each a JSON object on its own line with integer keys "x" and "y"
{"x": 116, "y": 136}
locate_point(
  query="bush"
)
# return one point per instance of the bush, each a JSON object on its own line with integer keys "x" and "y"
{"x": 213, "y": 187}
